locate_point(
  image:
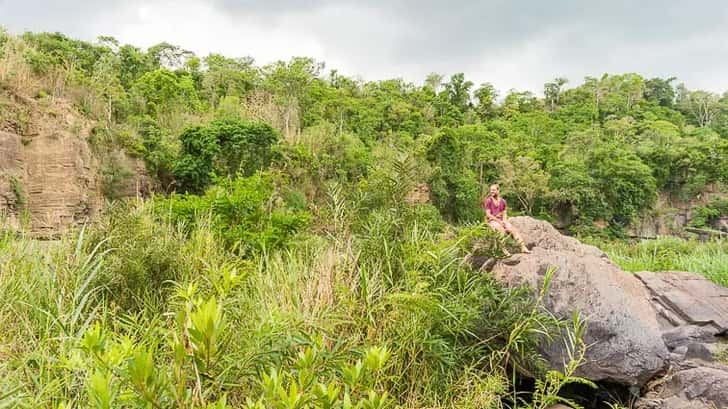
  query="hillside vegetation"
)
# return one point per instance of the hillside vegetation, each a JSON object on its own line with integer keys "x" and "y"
{"x": 289, "y": 256}
{"x": 599, "y": 151}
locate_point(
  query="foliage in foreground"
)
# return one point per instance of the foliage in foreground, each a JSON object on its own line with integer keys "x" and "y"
{"x": 318, "y": 324}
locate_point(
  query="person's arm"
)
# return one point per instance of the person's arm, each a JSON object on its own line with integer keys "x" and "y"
{"x": 488, "y": 215}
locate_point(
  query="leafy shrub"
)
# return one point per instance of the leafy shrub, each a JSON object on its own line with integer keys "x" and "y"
{"x": 160, "y": 151}
{"x": 684, "y": 165}
{"x": 114, "y": 176}
{"x": 17, "y": 189}
{"x": 4, "y": 38}
{"x": 704, "y": 216}
{"x": 310, "y": 383}
{"x": 195, "y": 168}
{"x": 455, "y": 188}
{"x": 323, "y": 154}
{"x": 225, "y": 147}
{"x": 245, "y": 147}
{"x": 143, "y": 254}
{"x": 249, "y": 213}
{"x": 163, "y": 90}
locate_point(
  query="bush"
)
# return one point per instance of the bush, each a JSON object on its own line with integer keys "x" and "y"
{"x": 194, "y": 170}
{"x": 160, "y": 151}
{"x": 225, "y": 147}
{"x": 245, "y": 147}
{"x": 705, "y": 216}
{"x": 249, "y": 213}
{"x": 143, "y": 255}
{"x": 114, "y": 176}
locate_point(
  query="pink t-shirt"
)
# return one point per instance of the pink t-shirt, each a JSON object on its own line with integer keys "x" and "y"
{"x": 495, "y": 210}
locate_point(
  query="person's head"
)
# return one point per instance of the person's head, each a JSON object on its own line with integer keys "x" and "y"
{"x": 494, "y": 190}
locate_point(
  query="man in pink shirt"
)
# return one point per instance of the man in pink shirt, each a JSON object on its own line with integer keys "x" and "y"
{"x": 495, "y": 214}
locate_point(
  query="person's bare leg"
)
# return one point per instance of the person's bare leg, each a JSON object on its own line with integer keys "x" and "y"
{"x": 501, "y": 229}
{"x": 516, "y": 235}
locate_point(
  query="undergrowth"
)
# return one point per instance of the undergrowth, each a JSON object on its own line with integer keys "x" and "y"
{"x": 138, "y": 312}
{"x": 709, "y": 259}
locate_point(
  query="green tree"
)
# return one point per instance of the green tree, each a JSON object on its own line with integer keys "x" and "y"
{"x": 519, "y": 102}
{"x": 245, "y": 147}
{"x": 434, "y": 82}
{"x": 64, "y": 51}
{"x": 486, "y": 95}
{"x": 106, "y": 80}
{"x": 701, "y": 106}
{"x": 625, "y": 181}
{"x": 228, "y": 77}
{"x": 458, "y": 90}
{"x": 195, "y": 168}
{"x": 660, "y": 91}
{"x": 289, "y": 82}
{"x": 523, "y": 178}
{"x": 167, "y": 56}
{"x": 164, "y": 91}
{"x": 132, "y": 65}
{"x": 552, "y": 92}
{"x": 454, "y": 185}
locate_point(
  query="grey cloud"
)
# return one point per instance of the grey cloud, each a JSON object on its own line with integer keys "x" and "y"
{"x": 583, "y": 37}
{"x": 512, "y": 43}
{"x": 462, "y": 27}
{"x": 80, "y": 18}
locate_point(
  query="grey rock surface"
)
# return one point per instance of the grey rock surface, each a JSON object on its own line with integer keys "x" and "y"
{"x": 688, "y": 300}
{"x": 664, "y": 332}
{"x": 624, "y": 337}
{"x": 704, "y": 387}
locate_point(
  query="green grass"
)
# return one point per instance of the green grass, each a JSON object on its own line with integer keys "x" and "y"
{"x": 709, "y": 259}
{"x": 135, "y": 312}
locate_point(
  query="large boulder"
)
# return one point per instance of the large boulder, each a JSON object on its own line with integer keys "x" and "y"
{"x": 692, "y": 312}
{"x": 623, "y": 334}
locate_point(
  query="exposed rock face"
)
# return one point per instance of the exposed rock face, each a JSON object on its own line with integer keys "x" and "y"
{"x": 721, "y": 224}
{"x": 693, "y": 315}
{"x": 671, "y": 216}
{"x": 49, "y": 177}
{"x": 702, "y": 387}
{"x": 688, "y": 302}
{"x": 623, "y": 333}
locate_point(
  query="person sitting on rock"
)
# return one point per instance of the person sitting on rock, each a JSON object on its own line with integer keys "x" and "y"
{"x": 496, "y": 217}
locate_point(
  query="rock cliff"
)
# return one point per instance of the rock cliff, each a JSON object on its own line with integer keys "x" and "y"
{"x": 50, "y": 177}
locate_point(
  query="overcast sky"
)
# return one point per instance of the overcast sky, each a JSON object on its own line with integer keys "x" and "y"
{"x": 510, "y": 43}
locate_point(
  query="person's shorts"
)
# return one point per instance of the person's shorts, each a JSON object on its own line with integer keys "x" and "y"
{"x": 500, "y": 225}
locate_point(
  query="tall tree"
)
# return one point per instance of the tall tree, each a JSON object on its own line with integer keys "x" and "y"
{"x": 486, "y": 95}
{"x": 289, "y": 82}
{"x": 660, "y": 91}
{"x": 458, "y": 89}
{"x": 552, "y": 92}
{"x": 434, "y": 81}
{"x": 701, "y": 106}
